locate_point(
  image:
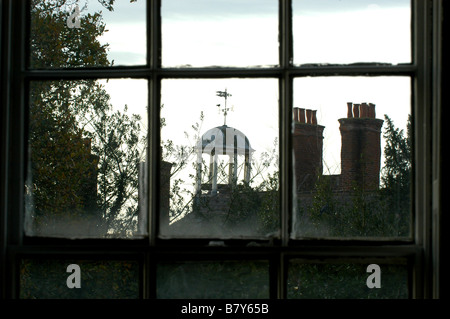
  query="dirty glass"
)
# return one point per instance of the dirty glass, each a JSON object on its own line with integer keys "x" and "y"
{"x": 219, "y": 168}
{"x": 371, "y": 279}
{"x": 213, "y": 280}
{"x": 348, "y": 31}
{"x": 206, "y": 33}
{"x": 87, "y": 158}
{"x": 78, "y": 279}
{"x": 87, "y": 33}
{"x": 352, "y": 144}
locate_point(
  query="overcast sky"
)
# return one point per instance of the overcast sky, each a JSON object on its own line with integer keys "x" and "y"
{"x": 242, "y": 33}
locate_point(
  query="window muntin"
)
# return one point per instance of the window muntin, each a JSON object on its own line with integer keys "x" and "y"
{"x": 219, "y": 33}
{"x": 61, "y": 34}
{"x": 223, "y": 158}
{"x": 342, "y": 32}
{"x": 87, "y": 159}
{"x": 352, "y": 166}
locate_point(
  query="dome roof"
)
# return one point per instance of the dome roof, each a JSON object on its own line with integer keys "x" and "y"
{"x": 224, "y": 140}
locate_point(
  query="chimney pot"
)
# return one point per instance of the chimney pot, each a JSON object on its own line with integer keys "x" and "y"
{"x": 360, "y": 152}
{"x": 349, "y": 110}
{"x": 314, "y": 117}
{"x": 295, "y": 113}
{"x": 364, "y": 110}
{"x": 302, "y": 115}
{"x": 356, "y": 110}
{"x": 308, "y": 116}
{"x": 371, "y": 110}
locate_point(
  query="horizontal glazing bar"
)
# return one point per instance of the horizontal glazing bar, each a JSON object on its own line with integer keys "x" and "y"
{"x": 72, "y": 74}
{"x": 223, "y": 252}
{"x": 306, "y": 70}
{"x": 353, "y": 69}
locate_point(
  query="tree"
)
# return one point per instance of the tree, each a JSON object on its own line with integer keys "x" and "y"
{"x": 396, "y": 173}
{"x": 84, "y": 154}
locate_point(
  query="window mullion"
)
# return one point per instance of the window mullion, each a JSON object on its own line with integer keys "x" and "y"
{"x": 422, "y": 152}
{"x": 154, "y": 89}
{"x": 285, "y": 114}
{"x": 285, "y": 98}
{"x": 153, "y": 152}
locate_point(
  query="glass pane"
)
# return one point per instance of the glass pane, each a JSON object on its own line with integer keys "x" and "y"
{"x": 87, "y": 157}
{"x": 347, "y": 31}
{"x": 219, "y": 169}
{"x": 87, "y": 33}
{"x": 347, "y": 280}
{"x": 213, "y": 280}
{"x": 78, "y": 279}
{"x": 236, "y": 33}
{"x": 352, "y": 150}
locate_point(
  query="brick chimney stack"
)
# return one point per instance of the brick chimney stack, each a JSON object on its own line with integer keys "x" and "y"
{"x": 361, "y": 149}
{"x": 307, "y": 141}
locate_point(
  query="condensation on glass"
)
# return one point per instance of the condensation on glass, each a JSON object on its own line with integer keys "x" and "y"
{"x": 351, "y": 139}
{"x": 87, "y": 159}
{"x": 206, "y": 33}
{"x": 347, "y": 31}
{"x": 87, "y": 33}
{"x": 213, "y": 280}
{"x": 219, "y": 168}
{"x": 351, "y": 279}
{"x": 53, "y": 278}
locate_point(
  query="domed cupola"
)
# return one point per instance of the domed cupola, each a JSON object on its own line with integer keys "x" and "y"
{"x": 218, "y": 142}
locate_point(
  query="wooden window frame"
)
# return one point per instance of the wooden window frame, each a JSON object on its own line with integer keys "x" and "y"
{"x": 422, "y": 251}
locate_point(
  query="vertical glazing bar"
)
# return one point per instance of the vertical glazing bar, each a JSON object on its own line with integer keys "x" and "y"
{"x": 3, "y": 142}
{"x": 285, "y": 92}
{"x": 437, "y": 127}
{"x": 17, "y": 149}
{"x": 422, "y": 142}
{"x": 153, "y": 61}
{"x": 285, "y": 97}
{"x": 153, "y": 22}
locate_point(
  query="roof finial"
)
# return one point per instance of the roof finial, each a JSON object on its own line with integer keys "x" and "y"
{"x": 225, "y": 110}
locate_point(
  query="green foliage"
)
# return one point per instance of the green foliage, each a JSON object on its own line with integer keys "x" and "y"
{"x": 84, "y": 154}
{"x": 397, "y": 174}
{"x": 61, "y": 164}
{"x": 268, "y": 210}
{"x": 54, "y": 45}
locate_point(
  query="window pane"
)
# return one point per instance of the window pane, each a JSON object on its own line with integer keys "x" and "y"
{"x": 347, "y": 280}
{"x": 352, "y": 147}
{"x": 219, "y": 169}
{"x": 213, "y": 280}
{"x": 52, "y": 279}
{"x": 347, "y": 31}
{"x": 87, "y": 157}
{"x": 87, "y": 33}
{"x": 219, "y": 33}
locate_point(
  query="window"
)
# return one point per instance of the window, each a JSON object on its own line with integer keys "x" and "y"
{"x": 237, "y": 149}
